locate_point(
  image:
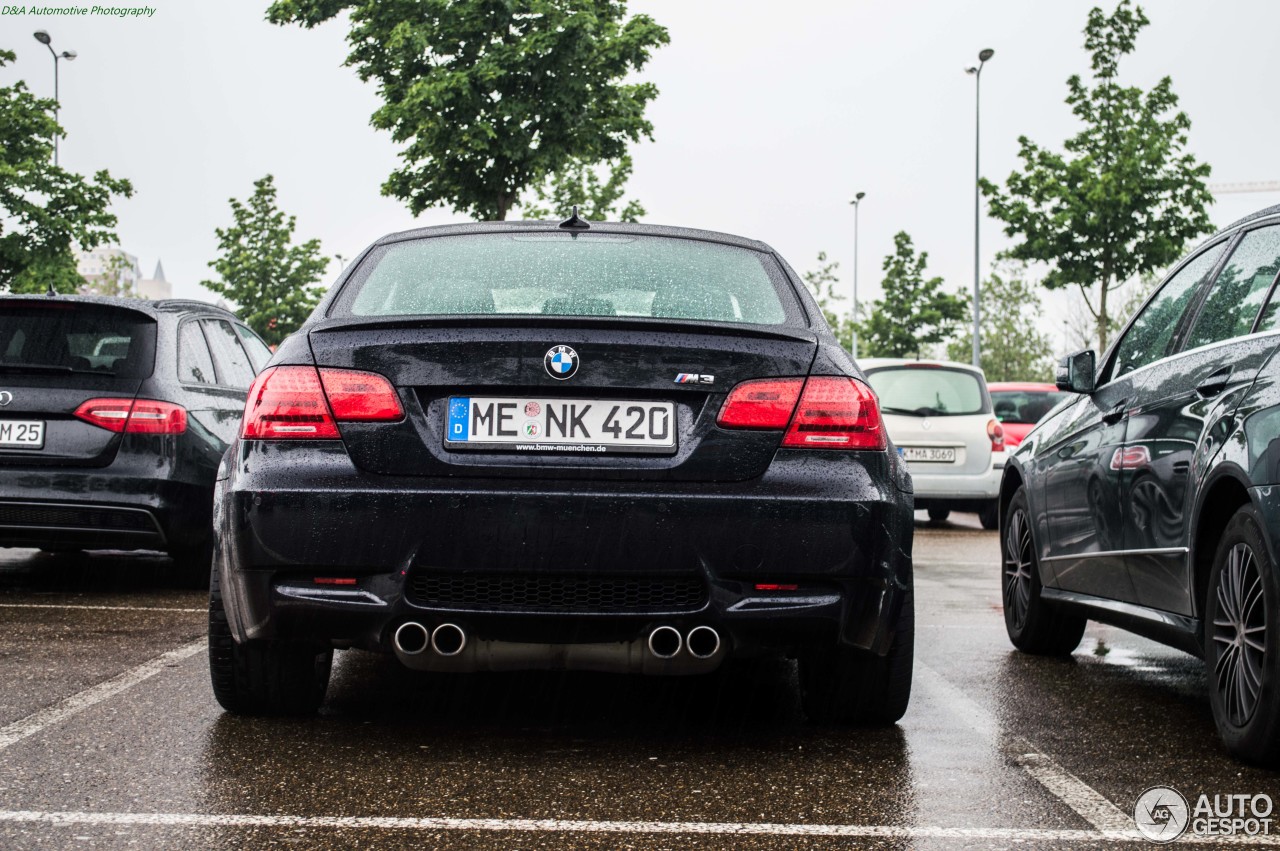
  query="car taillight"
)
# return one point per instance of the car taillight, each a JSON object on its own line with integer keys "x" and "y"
{"x": 287, "y": 403}
{"x": 836, "y": 413}
{"x": 995, "y": 431}
{"x": 303, "y": 403}
{"x": 142, "y": 416}
{"x": 360, "y": 396}
{"x": 766, "y": 403}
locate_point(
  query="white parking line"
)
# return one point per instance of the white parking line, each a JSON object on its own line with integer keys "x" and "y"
{"x": 1082, "y": 798}
{"x": 97, "y": 608}
{"x": 74, "y": 819}
{"x": 80, "y": 701}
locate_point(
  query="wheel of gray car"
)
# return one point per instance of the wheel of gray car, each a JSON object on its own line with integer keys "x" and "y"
{"x": 1242, "y": 641}
{"x": 1034, "y": 626}
{"x": 989, "y": 515}
{"x": 263, "y": 677}
{"x": 938, "y": 515}
{"x": 850, "y": 686}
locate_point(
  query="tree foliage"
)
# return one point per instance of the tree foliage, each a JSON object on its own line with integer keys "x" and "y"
{"x": 269, "y": 278}
{"x": 580, "y": 185}
{"x": 1125, "y": 197}
{"x": 914, "y": 313}
{"x": 492, "y": 97}
{"x": 823, "y": 283}
{"x": 116, "y": 279}
{"x": 1013, "y": 347}
{"x": 45, "y": 210}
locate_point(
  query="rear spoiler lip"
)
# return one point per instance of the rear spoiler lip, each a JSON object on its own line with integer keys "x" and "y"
{"x": 620, "y": 323}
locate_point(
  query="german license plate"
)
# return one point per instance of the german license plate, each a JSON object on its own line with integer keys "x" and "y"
{"x": 935, "y": 454}
{"x": 22, "y": 434}
{"x": 560, "y": 425}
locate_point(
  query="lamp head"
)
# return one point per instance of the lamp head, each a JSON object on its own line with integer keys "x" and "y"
{"x": 69, "y": 54}
{"x": 859, "y": 197}
{"x": 42, "y": 36}
{"x": 986, "y": 54}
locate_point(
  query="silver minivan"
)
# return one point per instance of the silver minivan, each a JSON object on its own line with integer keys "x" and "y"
{"x": 939, "y": 415}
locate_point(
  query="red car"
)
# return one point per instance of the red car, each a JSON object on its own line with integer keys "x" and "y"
{"x": 1019, "y": 405}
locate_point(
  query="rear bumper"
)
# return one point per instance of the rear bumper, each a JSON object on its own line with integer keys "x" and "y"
{"x": 832, "y": 524}
{"x": 111, "y": 507}
{"x": 941, "y": 486}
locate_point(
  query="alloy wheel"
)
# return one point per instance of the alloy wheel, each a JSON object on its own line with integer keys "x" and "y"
{"x": 1017, "y": 569}
{"x": 1240, "y": 633}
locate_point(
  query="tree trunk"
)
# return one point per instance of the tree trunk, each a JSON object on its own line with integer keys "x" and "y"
{"x": 1102, "y": 314}
{"x": 504, "y": 205}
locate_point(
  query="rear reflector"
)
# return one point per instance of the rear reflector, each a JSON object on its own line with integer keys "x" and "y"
{"x": 360, "y": 396}
{"x": 143, "y": 416}
{"x": 767, "y": 403}
{"x": 776, "y": 586}
{"x": 334, "y": 580}
{"x": 836, "y": 413}
{"x": 303, "y": 403}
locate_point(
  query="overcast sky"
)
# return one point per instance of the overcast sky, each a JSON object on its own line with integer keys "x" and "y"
{"x": 771, "y": 115}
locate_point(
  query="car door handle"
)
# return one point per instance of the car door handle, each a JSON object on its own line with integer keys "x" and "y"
{"x": 1114, "y": 415}
{"x": 1214, "y": 384}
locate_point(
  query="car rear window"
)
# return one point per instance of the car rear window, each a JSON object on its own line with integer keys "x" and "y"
{"x": 565, "y": 274}
{"x": 927, "y": 391}
{"x": 70, "y": 337}
{"x": 1024, "y": 407}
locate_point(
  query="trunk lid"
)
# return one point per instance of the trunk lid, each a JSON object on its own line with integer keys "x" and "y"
{"x": 619, "y": 360}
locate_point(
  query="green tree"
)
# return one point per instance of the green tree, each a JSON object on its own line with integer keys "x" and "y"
{"x": 914, "y": 312}
{"x": 269, "y": 278}
{"x": 1013, "y": 347}
{"x": 823, "y": 283}
{"x": 580, "y": 184}
{"x": 493, "y": 97}
{"x": 45, "y": 210}
{"x": 1125, "y": 197}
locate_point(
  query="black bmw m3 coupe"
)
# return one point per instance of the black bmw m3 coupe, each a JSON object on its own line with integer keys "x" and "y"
{"x": 580, "y": 446}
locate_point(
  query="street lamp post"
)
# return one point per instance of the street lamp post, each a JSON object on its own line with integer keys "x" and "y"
{"x": 976, "y": 71}
{"x": 43, "y": 37}
{"x": 853, "y": 344}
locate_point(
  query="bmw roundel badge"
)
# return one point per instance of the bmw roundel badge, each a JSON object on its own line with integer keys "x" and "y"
{"x": 561, "y": 362}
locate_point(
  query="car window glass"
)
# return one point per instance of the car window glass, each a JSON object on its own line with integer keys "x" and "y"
{"x": 78, "y": 337}
{"x": 1024, "y": 407}
{"x": 259, "y": 353}
{"x": 195, "y": 364}
{"x": 234, "y": 367}
{"x": 1148, "y": 338}
{"x": 563, "y": 274}
{"x": 927, "y": 391}
{"x": 1239, "y": 289}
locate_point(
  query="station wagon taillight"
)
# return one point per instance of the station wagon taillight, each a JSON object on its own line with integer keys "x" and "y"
{"x": 995, "y": 431}
{"x": 140, "y": 416}
{"x": 303, "y": 403}
{"x": 821, "y": 412}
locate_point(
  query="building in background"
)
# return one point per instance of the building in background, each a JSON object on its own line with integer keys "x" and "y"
{"x": 156, "y": 287}
{"x": 96, "y": 264}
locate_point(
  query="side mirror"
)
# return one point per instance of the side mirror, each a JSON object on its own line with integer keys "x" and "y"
{"x": 1076, "y": 372}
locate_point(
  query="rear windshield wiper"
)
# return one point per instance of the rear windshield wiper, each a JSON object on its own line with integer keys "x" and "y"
{"x": 48, "y": 368}
{"x": 902, "y": 411}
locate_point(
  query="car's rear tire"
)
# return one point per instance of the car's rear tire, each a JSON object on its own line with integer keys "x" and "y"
{"x": 1033, "y": 625}
{"x": 263, "y": 677}
{"x": 850, "y": 686}
{"x": 938, "y": 515}
{"x": 1242, "y": 641}
{"x": 989, "y": 515}
{"x": 191, "y": 563}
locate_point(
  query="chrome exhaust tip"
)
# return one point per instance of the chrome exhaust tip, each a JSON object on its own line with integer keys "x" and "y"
{"x": 412, "y": 638}
{"x": 703, "y": 642}
{"x": 448, "y": 639}
{"x": 665, "y": 642}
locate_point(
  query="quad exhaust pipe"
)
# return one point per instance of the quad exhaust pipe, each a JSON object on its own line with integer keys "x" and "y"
{"x": 664, "y": 650}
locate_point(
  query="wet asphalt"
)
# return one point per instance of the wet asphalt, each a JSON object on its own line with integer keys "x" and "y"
{"x": 95, "y": 755}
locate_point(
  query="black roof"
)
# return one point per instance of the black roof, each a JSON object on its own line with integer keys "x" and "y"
{"x": 142, "y": 305}
{"x": 596, "y": 227}
{"x": 1261, "y": 214}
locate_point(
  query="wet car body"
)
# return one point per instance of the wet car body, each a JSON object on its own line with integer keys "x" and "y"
{"x": 388, "y": 534}
{"x": 104, "y": 476}
{"x": 1143, "y": 492}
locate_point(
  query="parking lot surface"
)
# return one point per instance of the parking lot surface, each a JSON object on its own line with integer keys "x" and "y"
{"x": 110, "y": 737}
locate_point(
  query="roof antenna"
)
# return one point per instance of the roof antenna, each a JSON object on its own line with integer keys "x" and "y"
{"x": 52, "y": 292}
{"x": 574, "y": 222}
